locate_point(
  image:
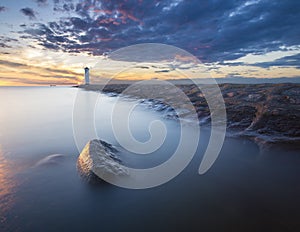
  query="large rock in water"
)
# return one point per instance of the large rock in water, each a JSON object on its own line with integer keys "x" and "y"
{"x": 98, "y": 159}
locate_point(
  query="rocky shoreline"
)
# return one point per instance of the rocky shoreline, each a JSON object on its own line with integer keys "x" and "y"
{"x": 269, "y": 114}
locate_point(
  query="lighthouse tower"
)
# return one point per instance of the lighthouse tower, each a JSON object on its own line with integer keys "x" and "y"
{"x": 87, "y": 75}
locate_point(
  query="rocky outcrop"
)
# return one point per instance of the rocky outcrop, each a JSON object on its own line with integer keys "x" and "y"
{"x": 99, "y": 159}
{"x": 266, "y": 113}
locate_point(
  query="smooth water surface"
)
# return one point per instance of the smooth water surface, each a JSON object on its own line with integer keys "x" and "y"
{"x": 245, "y": 190}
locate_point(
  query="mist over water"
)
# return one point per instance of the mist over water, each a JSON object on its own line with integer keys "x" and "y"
{"x": 40, "y": 189}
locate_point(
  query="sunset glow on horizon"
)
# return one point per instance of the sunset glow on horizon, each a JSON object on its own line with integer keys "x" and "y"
{"x": 50, "y": 42}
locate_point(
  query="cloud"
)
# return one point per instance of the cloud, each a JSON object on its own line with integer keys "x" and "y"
{"x": 234, "y": 75}
{"x": 3, "y": 45}
{"x": 41, "y": 2}
{"x": 2, "y": 8}
{"x": 7, "y": 39}
{"x": 41, "y": 80}
{"x": 5, "y": 42}
{"x": 12, "y": 64}
{"x": 285, "y": 61}
{"x": 24, "y": 73}
{"x": 56, "y": 71}
{"x": 214, "y": 31}
{"x": 142, "y": 67}
{"x": 28, "y": 12}
{"x": 163, "y": 71}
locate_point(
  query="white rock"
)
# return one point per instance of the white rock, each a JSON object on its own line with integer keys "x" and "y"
{"x": 97, "y": 157}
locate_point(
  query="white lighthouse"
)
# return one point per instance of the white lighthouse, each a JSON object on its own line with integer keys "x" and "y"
{"x": 87, "y": 75}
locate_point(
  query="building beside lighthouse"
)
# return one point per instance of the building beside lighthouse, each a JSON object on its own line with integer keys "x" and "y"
{"x": 87, "y": 76}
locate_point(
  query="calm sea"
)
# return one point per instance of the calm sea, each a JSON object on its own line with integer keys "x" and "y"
{"x": 245, "y": 190}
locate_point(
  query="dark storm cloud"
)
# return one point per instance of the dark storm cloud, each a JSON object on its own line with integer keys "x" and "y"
{"x": 214, "y": 31}
{"x": 257, "y": 29}
{"x": 28, "y": 12}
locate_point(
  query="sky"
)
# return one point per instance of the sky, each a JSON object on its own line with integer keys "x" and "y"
{"x": 46, "y": 42}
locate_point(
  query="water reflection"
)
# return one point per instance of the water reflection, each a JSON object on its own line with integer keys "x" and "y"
{"x": 7, "y": 186}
